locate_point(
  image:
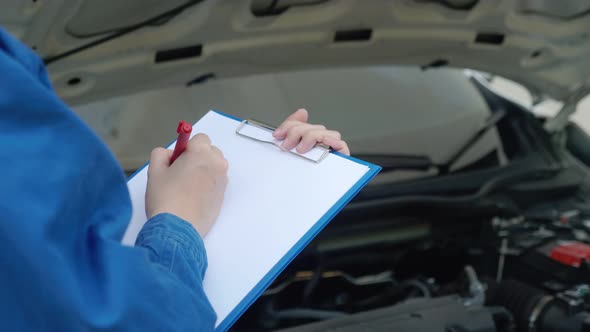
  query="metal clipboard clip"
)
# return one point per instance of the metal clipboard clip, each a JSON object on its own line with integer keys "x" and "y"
{"x": 317, "y": 154}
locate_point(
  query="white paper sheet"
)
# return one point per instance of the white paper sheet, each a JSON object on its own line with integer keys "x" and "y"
{"x": 273, "y": 199}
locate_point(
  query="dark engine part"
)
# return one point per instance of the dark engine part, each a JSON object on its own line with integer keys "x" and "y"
{"x": 548, "y": 253}
{"x": 557, "y": 261}
{"x": 537, "y": 311}
{"x": 444, "y": 314}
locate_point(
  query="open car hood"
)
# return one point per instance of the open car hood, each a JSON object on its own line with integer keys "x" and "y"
{"x": 542, "y": 44}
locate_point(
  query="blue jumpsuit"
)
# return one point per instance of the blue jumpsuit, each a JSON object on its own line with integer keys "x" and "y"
{"x": 64, "y": 206}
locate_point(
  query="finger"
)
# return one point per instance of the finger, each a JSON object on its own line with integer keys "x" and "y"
{"x": 159, "y": 160}
{"x": 283, "y": 129}
{"x": 301, "y": 115}
{"x": 337, "y": 144}
{"x": 199, "y": 140}
{"x": 217, "y": 151}
{"x": 310, "y": 138}
{"x": 219, "y": 154}
{"x": 295, "y": 134}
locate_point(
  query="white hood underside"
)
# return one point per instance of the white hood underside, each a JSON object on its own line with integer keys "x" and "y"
{"x": 544, "y": 45}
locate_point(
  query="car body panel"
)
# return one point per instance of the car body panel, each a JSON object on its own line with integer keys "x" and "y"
{"x": 526, "y": 41}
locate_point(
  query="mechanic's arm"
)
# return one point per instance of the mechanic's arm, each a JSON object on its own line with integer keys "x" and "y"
{"x": 63, "y": 266}
{"x": 182, "y": 203}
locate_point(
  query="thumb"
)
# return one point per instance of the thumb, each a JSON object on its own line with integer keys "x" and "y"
{"x": 159, "y": 160}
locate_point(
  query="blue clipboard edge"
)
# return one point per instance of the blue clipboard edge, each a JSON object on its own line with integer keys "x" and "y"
{"x": 255, "y": 293}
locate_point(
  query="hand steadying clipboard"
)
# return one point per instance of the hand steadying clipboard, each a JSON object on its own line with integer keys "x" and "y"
{"x": 253, "y": 234}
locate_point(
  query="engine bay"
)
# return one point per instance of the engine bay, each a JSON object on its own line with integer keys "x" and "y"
{"x": 504, "y": 274}
{"x": 484, "y": 248}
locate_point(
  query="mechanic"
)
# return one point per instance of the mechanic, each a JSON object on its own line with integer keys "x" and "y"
{"x": 64, "y": 207}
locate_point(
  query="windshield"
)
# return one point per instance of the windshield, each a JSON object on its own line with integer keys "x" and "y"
{"x": 381, "y": 111}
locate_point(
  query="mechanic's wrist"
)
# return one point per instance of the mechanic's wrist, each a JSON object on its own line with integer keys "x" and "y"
{"x": 165, "y": 228}
{"x": 185, "y": 216}
{"x": 173, "y": 224}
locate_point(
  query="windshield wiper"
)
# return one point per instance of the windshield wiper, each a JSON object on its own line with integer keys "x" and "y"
{"x": 391, "y": 163}
{"x": 488, "y": 187}
{"x": 398, "y": 162}
{"x": 490, "y": 123}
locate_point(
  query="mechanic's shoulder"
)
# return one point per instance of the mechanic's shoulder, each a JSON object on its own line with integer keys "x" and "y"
{"x": 19, "y": 52}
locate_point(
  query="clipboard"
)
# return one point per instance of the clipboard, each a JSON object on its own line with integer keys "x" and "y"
{"x": 254, "y": 239}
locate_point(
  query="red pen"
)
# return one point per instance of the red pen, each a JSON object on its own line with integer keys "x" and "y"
{"x": 184, "y": 133}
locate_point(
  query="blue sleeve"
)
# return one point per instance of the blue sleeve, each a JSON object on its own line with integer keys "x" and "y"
{"x": 64, "y": 206}
{"x": 175, "y": 245}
